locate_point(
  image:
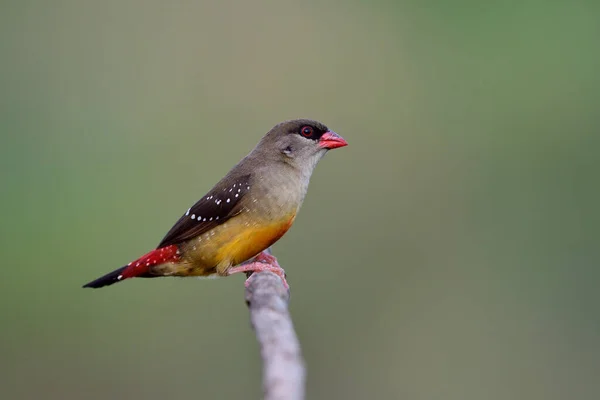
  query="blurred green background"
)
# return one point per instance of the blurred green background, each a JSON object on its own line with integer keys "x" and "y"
{"x": 450, "y": 252}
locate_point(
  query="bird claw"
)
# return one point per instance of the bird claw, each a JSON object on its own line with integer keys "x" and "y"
{"x": 267, "y": 258}
{"x": 260, "y": 267}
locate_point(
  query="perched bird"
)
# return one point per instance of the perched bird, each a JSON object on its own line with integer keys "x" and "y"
{"x": 243, "y": 214}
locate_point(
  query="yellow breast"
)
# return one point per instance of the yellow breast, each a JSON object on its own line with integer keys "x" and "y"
{"x": 233, "y": 242}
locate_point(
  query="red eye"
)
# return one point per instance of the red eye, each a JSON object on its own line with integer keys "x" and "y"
{"x": 306, "y": 131}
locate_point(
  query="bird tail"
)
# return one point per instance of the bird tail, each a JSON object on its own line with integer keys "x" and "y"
{"x": 108, "y": 279}
{"x": 139, "y": 268}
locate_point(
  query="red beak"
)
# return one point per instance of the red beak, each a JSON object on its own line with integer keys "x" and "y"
{"x": 331, "y": 140}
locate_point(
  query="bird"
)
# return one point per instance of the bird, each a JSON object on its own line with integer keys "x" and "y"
{"x": 245, "y": 213}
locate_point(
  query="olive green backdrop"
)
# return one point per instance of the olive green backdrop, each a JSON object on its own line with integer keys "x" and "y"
{"x": 449, "y": 252}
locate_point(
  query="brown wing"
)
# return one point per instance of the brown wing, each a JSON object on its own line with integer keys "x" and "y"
{"x": 216, "y": 207}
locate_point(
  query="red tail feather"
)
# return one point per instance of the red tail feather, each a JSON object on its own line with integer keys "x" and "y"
{"x": 142, "y": 265}
{"x": 139, "y": 267}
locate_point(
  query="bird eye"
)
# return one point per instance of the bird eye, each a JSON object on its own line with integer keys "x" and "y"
{"x": 307, "y": 131}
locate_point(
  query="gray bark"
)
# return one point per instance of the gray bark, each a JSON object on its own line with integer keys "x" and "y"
{"x": 283, "y": 366}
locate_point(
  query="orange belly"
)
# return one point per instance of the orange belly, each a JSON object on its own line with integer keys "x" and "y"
{"x": 229, "y": 244}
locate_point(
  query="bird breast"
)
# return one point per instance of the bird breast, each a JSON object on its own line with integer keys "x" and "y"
{"x": 235, "y": 241}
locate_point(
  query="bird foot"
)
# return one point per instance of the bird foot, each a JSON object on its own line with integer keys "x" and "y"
{"x": 260, "y": 267}
{"x": 267, "y": 258}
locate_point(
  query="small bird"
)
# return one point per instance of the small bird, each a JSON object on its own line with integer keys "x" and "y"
{"x": 247, "y": 211}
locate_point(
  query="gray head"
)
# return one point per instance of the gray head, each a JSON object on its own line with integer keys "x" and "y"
{"x": 300, "y": 143}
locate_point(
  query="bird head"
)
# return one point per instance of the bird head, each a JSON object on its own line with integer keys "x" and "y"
{"x": 300, "y": 143}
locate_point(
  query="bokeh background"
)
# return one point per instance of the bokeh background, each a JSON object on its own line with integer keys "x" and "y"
{"x": 450, "y": 252}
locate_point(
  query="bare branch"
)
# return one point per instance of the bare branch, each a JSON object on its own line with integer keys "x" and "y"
{"x": 283, "y": 366}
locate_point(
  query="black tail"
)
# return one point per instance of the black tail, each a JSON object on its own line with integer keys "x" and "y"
{"x": 108, "y": 279}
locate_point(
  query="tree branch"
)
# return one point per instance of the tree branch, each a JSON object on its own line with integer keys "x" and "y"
{"x": 283, "y": 366}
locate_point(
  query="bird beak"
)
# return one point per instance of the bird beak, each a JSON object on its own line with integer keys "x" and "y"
{"x": 331, "y": 140}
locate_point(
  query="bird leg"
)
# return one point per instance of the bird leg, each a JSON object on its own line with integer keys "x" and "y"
{"x": 262, "y": 262}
